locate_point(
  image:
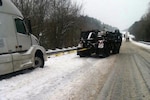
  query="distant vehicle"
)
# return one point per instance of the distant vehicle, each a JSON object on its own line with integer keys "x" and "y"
{"x": 127, "y": 37}
{"x": 100, "y": 43}
{"x": 19, "y": 49}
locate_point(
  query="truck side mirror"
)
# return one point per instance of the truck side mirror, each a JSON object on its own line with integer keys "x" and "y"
{"x": 40, "y": 34}
{"x": 0, "y": 2}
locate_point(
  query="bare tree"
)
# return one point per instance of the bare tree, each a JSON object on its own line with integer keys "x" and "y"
{"x": 58, "y": 20}
{"x": 141, "y": 28}
{"x": 62, "y": 19}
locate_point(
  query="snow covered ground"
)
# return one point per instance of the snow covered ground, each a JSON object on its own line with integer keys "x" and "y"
{"x": 66, "y": 77}
{"x": 141, "y": 44}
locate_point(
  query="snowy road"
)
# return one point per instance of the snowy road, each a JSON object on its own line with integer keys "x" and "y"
{"x": 130, "y": 79}
{"x": 63, "y": 78}
{"x": 123, "y": 76}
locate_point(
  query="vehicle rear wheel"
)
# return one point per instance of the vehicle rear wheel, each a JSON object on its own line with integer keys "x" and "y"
{"x": 114, "y": 51}
{"x": 39, "y": 61}
{"x": 118, "y": 50}
{"x": 82, "y": 55}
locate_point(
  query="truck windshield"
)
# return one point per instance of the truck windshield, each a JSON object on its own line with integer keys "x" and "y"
{"x": 88, "y": 35}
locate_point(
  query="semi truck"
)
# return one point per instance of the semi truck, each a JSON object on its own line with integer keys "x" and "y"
{"x": 99, "y": 43}
{"x": 19, "y": 49}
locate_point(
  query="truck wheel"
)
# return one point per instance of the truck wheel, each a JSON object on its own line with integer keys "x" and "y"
{"x": 39, "y": 61}
{"x": 114, "y": 51}
{"x": 88, "y": 54}
{"x": 82, "y": 55}
{"x": 106, "y": 52}
{"x": 118, "y": 50}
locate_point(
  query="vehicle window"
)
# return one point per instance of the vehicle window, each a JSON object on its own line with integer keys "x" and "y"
{"x": 20, "y": 26}
{"x": 0, "y": 2}
{"x": 93, "y": 35}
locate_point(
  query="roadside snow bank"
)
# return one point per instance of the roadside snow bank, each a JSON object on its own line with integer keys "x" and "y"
{"x": 83, "y": 83}
{"x": 141, "y": 44}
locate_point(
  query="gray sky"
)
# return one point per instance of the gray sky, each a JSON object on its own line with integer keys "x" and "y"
{"x": 118, "y": 13}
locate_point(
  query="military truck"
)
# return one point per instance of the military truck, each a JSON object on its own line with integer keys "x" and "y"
{"x": 99, "y": 43}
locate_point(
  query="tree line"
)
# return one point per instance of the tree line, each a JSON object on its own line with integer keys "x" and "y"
{"x": 60, "y": 21}
{"x": 141, "y": 29}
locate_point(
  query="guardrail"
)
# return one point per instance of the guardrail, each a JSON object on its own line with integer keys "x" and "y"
{"x": 60, "y": 51}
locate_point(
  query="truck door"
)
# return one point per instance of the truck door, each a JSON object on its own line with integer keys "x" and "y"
{"x": 21, "y": 59}
{"x": 23, "y": 37}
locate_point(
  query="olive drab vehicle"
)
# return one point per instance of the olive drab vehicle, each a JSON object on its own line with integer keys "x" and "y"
{"x": 19, "y": 49}
{"x": 99, "y": 43}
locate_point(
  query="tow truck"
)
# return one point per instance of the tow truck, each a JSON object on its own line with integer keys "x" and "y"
{"x": 99, "y": 43}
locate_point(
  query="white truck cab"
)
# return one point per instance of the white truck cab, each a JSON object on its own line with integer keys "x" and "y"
{"x": 18, "y": 48}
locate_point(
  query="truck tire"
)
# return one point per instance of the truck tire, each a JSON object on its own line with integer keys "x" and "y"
{"x": 118, "y": 50}
{"x": 106, "y": 52}
{"x": 39, "y": 61}
{"x": 88, "y": 54}
{"x": 82, "y": 55}
{"x": 114, "y": 51}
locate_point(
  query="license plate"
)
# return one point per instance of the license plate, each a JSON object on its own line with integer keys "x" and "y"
{"x": 101, "y": 45}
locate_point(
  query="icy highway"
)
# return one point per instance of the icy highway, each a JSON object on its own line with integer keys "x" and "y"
{"x": 125, "y": 76}
{"x": 130, "y": 77}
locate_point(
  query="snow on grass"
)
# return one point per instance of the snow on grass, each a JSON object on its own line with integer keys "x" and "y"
{"x": 63, "y": 78}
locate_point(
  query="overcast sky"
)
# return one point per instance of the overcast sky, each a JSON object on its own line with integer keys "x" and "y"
{"x": 118, "y": 13}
